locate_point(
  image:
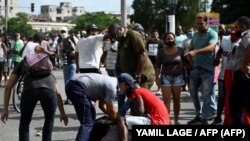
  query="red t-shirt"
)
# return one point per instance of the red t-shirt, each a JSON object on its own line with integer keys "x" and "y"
{"x": 153, "y": 105}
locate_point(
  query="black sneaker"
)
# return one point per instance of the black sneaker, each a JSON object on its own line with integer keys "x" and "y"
{"x": 212, "y": 116}
{"x": 217, "y": 121}
{"x": 195, "y": 121}
{"x": 204, "y": 122}
{"x": 67, "y": 101}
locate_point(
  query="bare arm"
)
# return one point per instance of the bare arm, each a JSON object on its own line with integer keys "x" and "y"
{"x": 122, "y": 128}
{"x": 108, "y": 109}
{"x": 63, "y": 116}
{"x": 77, "y": 62}
{"x": 142, "y": 58}
{"x": 7, "y": 93}
{"x": 40, "y": 49}
{"x": 209, "y": 48}
{"x": 138, "y": 106}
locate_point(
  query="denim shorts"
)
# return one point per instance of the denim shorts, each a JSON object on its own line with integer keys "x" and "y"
{"x": 172, "y": 80}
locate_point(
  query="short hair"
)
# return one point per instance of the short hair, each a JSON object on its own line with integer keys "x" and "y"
{"x": 166, "y": 34}
{"x": 202, "y": 16}
{"x": 244, "y": 20}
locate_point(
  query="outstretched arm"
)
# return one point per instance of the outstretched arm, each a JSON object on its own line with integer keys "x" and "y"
{"x": 7, "y": 93}
{"x": 63, "y": 116}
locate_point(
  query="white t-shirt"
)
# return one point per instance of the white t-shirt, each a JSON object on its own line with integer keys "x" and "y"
{"x": 29, "y": 48}
{"x": 90, "y": 50}
{"x": 227, "y": 47}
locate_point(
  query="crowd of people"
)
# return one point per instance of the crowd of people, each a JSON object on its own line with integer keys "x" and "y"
{"x": 195, "y": 60}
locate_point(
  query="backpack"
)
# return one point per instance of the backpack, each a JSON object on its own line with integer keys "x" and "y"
{"x": 38, "y": 65}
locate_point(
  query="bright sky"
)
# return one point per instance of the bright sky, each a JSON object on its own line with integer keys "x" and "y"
{"x": 89, "y": 5}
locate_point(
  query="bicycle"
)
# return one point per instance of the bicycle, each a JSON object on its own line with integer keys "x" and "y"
{"x": 16, "y": 95}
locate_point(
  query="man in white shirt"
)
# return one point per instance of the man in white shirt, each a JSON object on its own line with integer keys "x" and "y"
{"x": 89, "y": 51}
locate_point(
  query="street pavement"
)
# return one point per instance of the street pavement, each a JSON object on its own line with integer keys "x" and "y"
{"x": 9, "y": 131}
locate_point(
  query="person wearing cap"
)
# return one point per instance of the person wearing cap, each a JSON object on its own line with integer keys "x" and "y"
{"x": 144, "y": 101}
{"x": 67, "y": 53}
{"x": 132, "y": 57}
{"x": 83, "y": 90}
{"x": 138, "y": 27}
{"x": 89, "y": 51}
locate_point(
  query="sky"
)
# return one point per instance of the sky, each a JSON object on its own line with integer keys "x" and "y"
{"x": 89, "y": 5}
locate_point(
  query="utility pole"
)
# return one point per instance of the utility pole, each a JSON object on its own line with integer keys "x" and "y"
{"x": 123, "y": 13}
{"x": 6, "y": 18}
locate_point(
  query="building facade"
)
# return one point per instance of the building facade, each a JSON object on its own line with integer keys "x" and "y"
{"x": 13, "y": 8}
{"x": 59, "y": 13}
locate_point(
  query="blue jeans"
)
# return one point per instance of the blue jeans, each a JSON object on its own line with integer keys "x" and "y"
{"x": 85, "y": 112}
{"x": 29, "y": 100}
{"x": 201, "y": 78}
{"x": 221, "y": 97}
{"x": 68, "y": 72}
{"x": 213, "y": 105}
{"x": 123, "y": 103}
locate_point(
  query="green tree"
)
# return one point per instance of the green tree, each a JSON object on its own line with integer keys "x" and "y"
{"x": 19, "y": 24}
{"x": 186, "y": 11}
{"x": 152, "y": 14}
{"x": 101, "y": 19}
{"x": 230, "y": 10}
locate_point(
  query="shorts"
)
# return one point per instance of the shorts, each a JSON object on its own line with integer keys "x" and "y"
{"x": 172, "y": 80}
{"x": 137, "y": 120}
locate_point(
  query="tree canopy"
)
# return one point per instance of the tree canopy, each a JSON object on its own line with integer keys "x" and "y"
{"x": 230, "y": 10}
{"x": 19, "y": 24}
{"x": 101, "y": 19}
{"x": 152, "y": 14}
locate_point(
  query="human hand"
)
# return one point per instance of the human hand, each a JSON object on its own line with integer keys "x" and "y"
{"x": 65, "y": 119}
{"x": 190, "y": 53}
{"x": 246, "y": 71}
{"x": 158, "y": 83}
{"x": 5, "y": 116}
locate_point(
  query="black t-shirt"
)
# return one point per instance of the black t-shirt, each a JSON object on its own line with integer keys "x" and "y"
{"x": 153, "y": 46}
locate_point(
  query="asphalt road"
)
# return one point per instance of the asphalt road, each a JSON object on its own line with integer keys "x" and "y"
{"x": 9, "y": 131}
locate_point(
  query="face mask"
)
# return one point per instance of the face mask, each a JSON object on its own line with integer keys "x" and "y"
{"x": 169, "y": 43}
{"x": 64, "y": 35}
{"x": 190, "y": 34}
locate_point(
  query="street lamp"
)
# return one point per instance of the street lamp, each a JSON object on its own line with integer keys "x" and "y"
{"x": 171, "y": 16}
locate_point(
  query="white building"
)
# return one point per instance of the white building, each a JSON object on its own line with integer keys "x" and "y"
{"x": 59, "y": 13}
{"x": 13, "y": 6}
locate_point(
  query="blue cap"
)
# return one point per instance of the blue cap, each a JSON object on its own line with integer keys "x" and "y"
{"x": 127, "y": 79}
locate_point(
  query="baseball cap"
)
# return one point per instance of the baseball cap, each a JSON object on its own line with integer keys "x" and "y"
{"x": 64, "y": 29}
{"x": 127, "y": 79}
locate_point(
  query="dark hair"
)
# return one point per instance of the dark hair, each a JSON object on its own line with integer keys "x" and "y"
{"x": 244, "y": 20}
{"x": 166, "y": 34}
{"x": 113, "y": 29}
{"x": 154, "y": 30}
{"x": 91, "y": 27}
{"x": 37, "y": 38}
